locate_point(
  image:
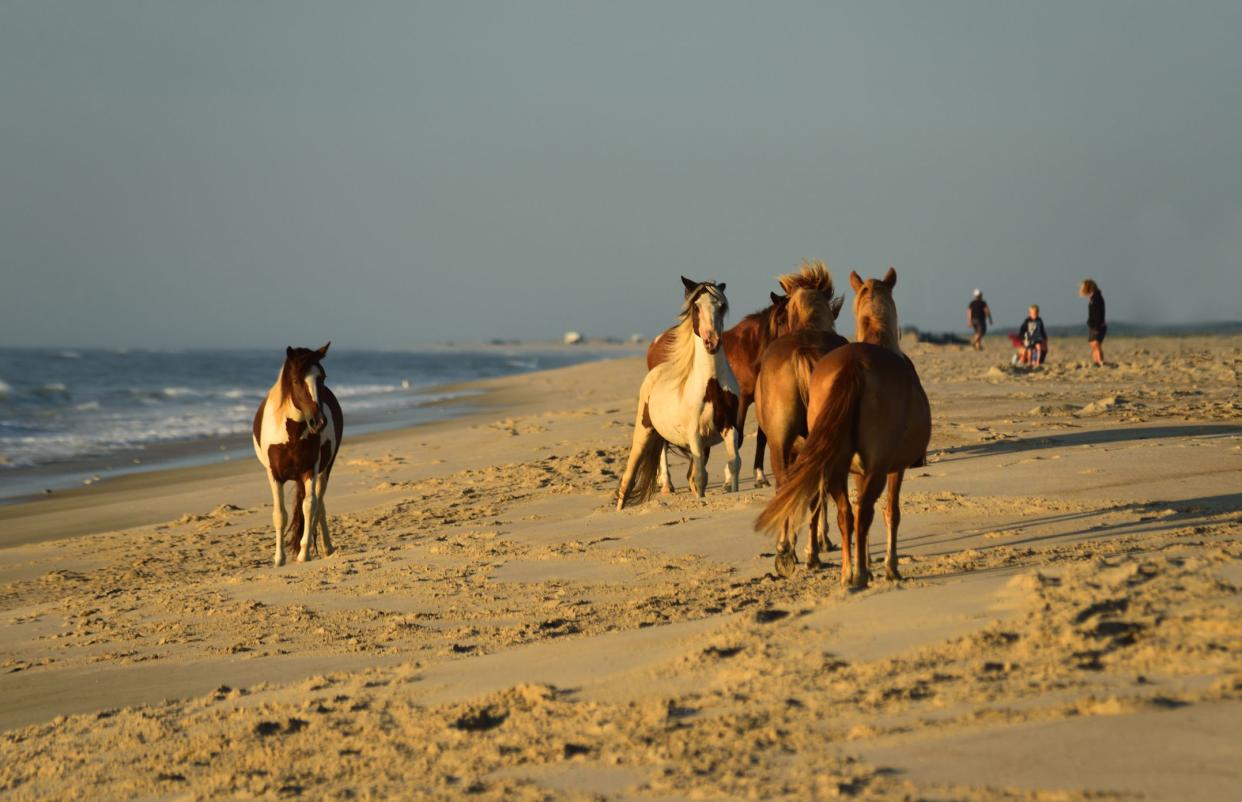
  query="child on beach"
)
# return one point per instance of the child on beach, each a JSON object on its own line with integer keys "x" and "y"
{"x": 1034, "y": 338}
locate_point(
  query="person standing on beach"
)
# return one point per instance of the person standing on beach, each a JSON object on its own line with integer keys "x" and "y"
{"x": 1096, "y": 327}
{"x": 978, "y": 316}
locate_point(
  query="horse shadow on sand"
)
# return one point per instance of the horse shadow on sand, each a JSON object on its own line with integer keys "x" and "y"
{"x": 1088, "y": 438}
{"x": 1153, "y": 517}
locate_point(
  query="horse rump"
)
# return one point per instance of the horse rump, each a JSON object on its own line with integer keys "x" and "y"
{"x": 828, "y": 450}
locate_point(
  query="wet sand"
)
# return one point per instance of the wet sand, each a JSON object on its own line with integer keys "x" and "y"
{"x": 1070, "y": 626}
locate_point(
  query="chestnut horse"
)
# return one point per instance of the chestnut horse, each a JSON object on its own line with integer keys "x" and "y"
{"x": 688, "y": 402}
{"x": 297, "y": 442}
{"x": 742, "y": 345}
{"x": 784, "y": 384}
{"x": 868, "y": 416}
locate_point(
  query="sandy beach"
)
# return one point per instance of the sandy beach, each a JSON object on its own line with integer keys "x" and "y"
{"x": 1070, "y": 625}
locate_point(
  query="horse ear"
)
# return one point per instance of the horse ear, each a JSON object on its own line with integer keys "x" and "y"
{"x": 323, "y": 350}
{"x": 835, "y": 306}
{"x": 688, "y": 284}
{"x": 855, "y": 280}
{"x": 890, "y": 278}
{"x": 721, "y": 286}
{"x": 776, "y": 299}
{"x": 288, "y": 351}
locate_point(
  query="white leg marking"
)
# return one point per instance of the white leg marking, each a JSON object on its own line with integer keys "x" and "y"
{"x": 310, "y": 505}
{"x": 278, "y": 518}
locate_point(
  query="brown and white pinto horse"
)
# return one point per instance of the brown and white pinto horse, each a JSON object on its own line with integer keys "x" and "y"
{"x": 742, "y": 345}
{"x": 783, "y": 386}
{"x": 297, "y": 433}
{"x": 868, "y": 416}
{"x": 688, "y": 402}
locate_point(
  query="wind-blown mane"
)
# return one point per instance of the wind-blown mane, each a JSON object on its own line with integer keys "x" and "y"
{"x": 812, "y": 275}
{"x": 680, "y": 347}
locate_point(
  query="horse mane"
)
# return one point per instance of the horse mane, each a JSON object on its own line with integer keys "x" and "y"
{"x": 680, "y": 347}
{"x": 812, "y": 275}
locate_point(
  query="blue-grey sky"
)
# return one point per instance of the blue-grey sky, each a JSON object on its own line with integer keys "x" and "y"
{"x": 389, "y": 174}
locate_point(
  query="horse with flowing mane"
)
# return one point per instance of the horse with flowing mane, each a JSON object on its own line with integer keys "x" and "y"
{"x": 783, "y": 386}
{"x": 688, "y": 402}
{"x": 868, "y": 416}
{"x": 743, "y": 344}
{"x": 297, "y": 442}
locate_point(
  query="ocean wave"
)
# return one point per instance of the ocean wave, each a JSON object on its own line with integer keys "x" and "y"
{"x": 67, "y": 354}
{"x": 88, "y": 406}
{"x": 5, "y": 389}
{"x": 53, "y": 388}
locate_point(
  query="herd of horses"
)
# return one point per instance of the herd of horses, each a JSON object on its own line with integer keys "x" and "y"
{"x": 827, "y": 408}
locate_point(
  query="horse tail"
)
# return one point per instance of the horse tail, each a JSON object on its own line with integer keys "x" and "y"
{"x": 293, "y": 532}
{"x": 646, "y": 468}
{"x": 828, "y": 450}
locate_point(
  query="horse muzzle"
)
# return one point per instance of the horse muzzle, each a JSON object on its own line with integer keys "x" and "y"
{"x": 316, "y": 424}
{"x": 712, "y": 343}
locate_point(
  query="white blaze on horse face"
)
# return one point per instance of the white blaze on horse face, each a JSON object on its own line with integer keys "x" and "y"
{"x": 710, "y": 321}
{"x": 312, "y": 383}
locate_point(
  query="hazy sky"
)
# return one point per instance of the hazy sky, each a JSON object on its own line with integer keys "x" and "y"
{"x": 264, "y": 173}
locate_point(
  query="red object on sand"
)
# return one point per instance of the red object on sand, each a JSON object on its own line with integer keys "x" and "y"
{"x": 1016, "y": 340}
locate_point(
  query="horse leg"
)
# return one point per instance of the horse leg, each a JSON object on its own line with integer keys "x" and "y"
{"x": 322, "y": 517}
{"x": 845, "y": 522}
{"x": 813, "y": 537}
{"x": 761, "y": 442}
{"x": 310, "y": 505}
{"x": 733, "y": 465}
{"x": 892, "y": 515}
{"x": 869, "y": 486}
{"x": 698, "y": 466}
{"x": 664, "y": 479}
{"x": 278, "y": 518}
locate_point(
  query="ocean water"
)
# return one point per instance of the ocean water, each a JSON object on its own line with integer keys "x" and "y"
{"x": 87, "y": 411}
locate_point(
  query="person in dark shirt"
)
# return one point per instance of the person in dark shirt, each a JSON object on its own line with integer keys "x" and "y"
{"x": 978, "y": 316}
{"x": 1034, "y": 338}
{"x": 1096, "y": 327}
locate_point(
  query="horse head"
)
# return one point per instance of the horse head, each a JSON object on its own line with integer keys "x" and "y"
{"x": 810, "y": 297}
{"x": 875, "y": 313}
{"x": 706, "y": 305}
{"x": 303, "y": 377}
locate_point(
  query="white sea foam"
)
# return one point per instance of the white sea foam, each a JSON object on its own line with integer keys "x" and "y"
{"x": 5, "y": 389}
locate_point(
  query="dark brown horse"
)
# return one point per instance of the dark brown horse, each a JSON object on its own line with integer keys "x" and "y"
{"x": 783, "y": 386}
{"x": 297, "y": 442}
{"x": 868, "y": 416}
{"x": 742, "y": 346}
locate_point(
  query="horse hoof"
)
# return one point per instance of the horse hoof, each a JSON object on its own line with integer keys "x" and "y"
{"x": 830, "y": 546}
{"x": 328, "y": 551}
{"x": 786, "y": 563}
{"x": 893, "y": 574}
{"x": 666, "y": 491}
{"x": 813, "y": 562}
{"x": 279, "y": 560}
{"x": 302, "y": 557}
{"x": 761, "y": 481}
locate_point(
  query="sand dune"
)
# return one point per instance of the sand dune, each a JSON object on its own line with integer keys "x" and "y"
{"x": 1070, "y": 627}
